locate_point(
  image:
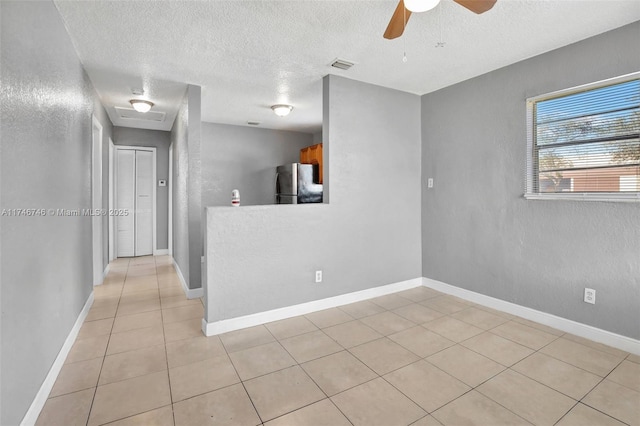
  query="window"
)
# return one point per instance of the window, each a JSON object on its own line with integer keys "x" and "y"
{"x": 584, "y": 142}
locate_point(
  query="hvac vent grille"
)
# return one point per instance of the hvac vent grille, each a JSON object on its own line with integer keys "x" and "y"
{"x": 342, "y": 64}
{"x": 132, "y": 114}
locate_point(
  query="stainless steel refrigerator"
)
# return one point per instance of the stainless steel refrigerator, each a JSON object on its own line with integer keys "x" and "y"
{"x": 295, "y": 184}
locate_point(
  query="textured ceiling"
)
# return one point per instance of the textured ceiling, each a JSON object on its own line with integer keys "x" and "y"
{"x": 249, "y": 55}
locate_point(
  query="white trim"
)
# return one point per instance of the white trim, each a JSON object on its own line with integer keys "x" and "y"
{"x": 585, "y": 87}
{"x": 170, "y": 202}
{"x": 96, "y": 198}
{"x": 112, "y": 235}
{"x": 191, "y": 293}
{"x": 41, "y": 397}
{"x": 592, "y": 333}
{"x": 224, "y": 326}
{"x": 161, "y": 252}
{"x": 106, "y": 271}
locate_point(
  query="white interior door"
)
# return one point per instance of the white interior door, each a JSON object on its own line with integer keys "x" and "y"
{"x": 125, "y": 202}
{"x": 144, "y": 203}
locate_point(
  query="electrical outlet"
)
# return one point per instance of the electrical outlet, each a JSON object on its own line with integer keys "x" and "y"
{"x": 590, "y": 296}
{"x": 318, "y": 276}
{"x": 430, "y": 183}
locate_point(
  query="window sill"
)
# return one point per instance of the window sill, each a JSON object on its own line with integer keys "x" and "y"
{"x": 580, "y": 196}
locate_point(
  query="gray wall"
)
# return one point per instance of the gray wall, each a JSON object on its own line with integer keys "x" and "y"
{"x": 479, "y": 233}
{"x": 264, "y": 257}
{"x": 46, "y": 105}
{"x": 187, "y": 184}
{"x": 245, "y": 158}
{"x": 161, "y": 141}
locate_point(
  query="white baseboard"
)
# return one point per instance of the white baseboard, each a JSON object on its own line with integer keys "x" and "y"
{"x": 161, "y": 252}
{"x": 191, "y": 293}
{"x": 224, "y": 326}
{"x": 569, "y": 326}
{"x": 41, "y": 397}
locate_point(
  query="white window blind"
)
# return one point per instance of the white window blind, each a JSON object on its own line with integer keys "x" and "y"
{"x": 585, "y": 141}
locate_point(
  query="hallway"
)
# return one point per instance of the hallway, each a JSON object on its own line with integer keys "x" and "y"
{"x": 414, "y": 356}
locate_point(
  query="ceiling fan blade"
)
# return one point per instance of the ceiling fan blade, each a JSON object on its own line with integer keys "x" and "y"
{"x": 398, "y": 22}
{"x": 477, "y": 6}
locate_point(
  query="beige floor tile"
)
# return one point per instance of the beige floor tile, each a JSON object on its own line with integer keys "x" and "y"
{"x": 89, "y": 348}
{"x": 260, "y": 360}
{"x": 229, "y": 406}
{"x": 452, "y": 328}
{"x": 140, "y": 296}
{"x": 77, "y": 376}
{"x": 383, "y": 355}
{"x": 595, "y": 345}
{"x": 177, "y": 302}
{"x": 418, "y": 313}
{"x": 95, "y": 328}
{"x": 282, "y": 392}
{"x": 527, "y": 398}
{"x": 418, "y": 294}
{"x": 329, "y": 317}
{"x": 627, "y": 374}
{"x": 158, "y": 417}
{"x": 475, "y": 409}
{"x": 496, "y": 312}
{"x": 466, "y": 365}
{"x": 558, "y": 375}
{"x": 387, "y": 323}
{"x": 362, "y": 309}
{"x": 592, "y": 360}
{"x": 524, "y": 335}
{"x": 107, "y": 301}
{"x": 135, "y": 339}
{"x": 479, "y": 318}
{"x": 322, "y": 413}
{"x": 441, "y": 389}
{"x": 136, "y": 321}
{"x": 138, "y": 307}
{"x": 634, "y": 358}
{"x": 246, "y": 338}
{"x": 135, "y": 286}
{"x": 391, "y": 301}
{"x": 499, "y": 349}
{"x": 427, "y": 421}
{"x": 130, "y": 397}
{"x": 581, "y": 415}
{"x": 338, "y": 372}
{"x": 196, "y": 349}
{"x": 444, "y": 304}
{"x": 306, "y": 347}
{"x": 172, "y": 291}
{"x": 68, "y": 410}
{"x": 377, "y": 403}
{"x": 183, "y": 313}
{"x": 290, "y": 327}
{"x": 421, "y": 341}
{"x": 183, "y": 330}
{"x": 615, "y": 400}
{"x": 202, "y": 377}
{"x": 539, "y": 326}
{"x": 97, "y": 313}
{"x": 127, "y": 365}
{"x": 352, "y": 333}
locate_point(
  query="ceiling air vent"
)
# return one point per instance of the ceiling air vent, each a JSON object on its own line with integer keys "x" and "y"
{"x": 253, "y": 123}
{"x": 132, "y": 114}
{"x": 342, "y": 64}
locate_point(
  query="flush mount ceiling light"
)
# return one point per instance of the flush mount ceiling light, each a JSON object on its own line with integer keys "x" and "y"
{"x": 282, "y": 110}
{"x": 420, "y": 5}
{"x": 141, "y": 105}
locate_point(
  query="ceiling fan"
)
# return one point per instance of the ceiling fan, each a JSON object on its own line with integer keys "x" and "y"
{"x": 406, "y": 7}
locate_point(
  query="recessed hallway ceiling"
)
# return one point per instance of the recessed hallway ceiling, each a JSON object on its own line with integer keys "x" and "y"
{"x": 249, "y": 55}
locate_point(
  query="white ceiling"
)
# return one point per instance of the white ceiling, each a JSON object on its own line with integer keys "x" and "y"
{"x": 249, "y": 55}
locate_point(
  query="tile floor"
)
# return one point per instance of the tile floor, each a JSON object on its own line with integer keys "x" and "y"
{"x": 415, "y": 357}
